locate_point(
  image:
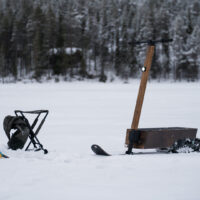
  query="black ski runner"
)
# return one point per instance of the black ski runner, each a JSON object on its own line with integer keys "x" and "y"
{"x": 181, "y": 146}
{"x": 98, "y": 150}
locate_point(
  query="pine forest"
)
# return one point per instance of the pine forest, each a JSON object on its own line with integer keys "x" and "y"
{"x": 91, "y": 39}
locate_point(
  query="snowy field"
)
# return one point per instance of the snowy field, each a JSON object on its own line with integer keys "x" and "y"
{"x": 82, "y": 114}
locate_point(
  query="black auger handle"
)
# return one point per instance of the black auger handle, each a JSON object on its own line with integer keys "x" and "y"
{"x": 151, "y": 42}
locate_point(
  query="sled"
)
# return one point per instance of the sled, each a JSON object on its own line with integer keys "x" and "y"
{"x": 171, "y": 139}
{"x": 150, "y": 138}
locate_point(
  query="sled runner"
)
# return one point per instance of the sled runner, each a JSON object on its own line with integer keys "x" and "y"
{"x": 24, "y": 130}
{"x": 98, "y": 150}
{"x": 172, "y": 138}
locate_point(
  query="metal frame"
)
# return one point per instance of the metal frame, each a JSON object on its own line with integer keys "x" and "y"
{"x": 33, "y": 134}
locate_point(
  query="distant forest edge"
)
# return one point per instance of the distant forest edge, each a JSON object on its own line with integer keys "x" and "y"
{"x": 89, "y": 39}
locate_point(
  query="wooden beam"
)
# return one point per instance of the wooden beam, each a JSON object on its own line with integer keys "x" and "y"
{"x": 142, "y": 89}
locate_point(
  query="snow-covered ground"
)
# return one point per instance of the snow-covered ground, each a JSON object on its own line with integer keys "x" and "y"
{"x": 82, "y": 114}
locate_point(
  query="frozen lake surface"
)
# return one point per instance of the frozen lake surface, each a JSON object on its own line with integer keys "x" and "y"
{"x": 82, "y": 114}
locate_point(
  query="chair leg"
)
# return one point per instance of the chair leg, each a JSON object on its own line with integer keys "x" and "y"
{"x": 35, "y": 143}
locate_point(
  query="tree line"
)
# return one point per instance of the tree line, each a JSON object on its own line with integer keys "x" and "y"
{"x": 90, "y": 39}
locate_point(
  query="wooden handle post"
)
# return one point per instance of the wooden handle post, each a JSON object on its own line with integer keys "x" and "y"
{"x": 141, "y": 93}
